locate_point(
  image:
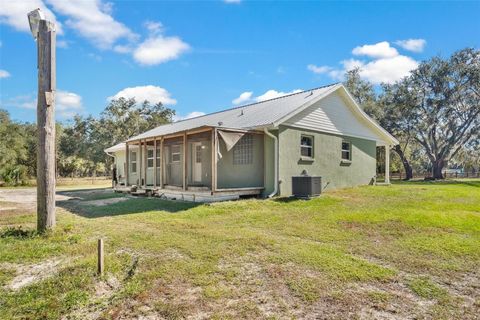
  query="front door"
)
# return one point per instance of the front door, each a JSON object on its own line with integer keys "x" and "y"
{"x": 197, "y": 162}
{"x": 150, "y": 160}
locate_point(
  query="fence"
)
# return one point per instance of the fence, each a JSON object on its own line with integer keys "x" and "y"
{"x": 447, "y": 175}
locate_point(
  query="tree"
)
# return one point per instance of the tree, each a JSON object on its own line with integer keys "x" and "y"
{"x": 383, "y": 111}
{"x": 439, "y": 105}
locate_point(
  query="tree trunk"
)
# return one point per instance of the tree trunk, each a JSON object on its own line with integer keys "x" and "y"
{"x": 406, "y": 164}
{"x": 437, "y": 169}
{"x": 46, "y": 127}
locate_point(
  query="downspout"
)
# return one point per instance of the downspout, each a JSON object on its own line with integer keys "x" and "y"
{"x": 275, "y": 143}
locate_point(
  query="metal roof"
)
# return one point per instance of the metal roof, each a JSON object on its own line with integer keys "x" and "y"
{"x": 255, "y": 115}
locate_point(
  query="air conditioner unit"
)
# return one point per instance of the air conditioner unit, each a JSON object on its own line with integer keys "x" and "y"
{"x": 306, "y": 186}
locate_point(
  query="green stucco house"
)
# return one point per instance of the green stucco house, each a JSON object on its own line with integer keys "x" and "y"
{"x": 256, "y": 149}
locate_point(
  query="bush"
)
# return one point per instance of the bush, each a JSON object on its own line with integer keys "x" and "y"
{"x": 14, "y": 175}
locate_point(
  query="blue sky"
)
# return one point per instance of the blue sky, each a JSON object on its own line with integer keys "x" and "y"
{"x": 205, "y": 56}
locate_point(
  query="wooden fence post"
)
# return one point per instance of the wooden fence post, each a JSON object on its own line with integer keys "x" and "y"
{"x": 100, "y": 264}
{"x": 46, "y": 126}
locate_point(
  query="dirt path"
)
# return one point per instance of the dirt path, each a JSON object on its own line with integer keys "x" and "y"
{"x": 23, "y": 198}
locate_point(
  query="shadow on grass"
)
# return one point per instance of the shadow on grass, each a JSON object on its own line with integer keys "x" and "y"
{"x": 129, "y": 206}
{"x": 466, "y": 182}
{"x": 18, "y": 233}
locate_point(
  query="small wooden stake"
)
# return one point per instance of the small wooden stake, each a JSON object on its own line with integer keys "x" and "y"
{"x": 100, "y": 257}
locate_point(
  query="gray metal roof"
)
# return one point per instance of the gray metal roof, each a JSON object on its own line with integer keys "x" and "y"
{"x": 245, "y": 117}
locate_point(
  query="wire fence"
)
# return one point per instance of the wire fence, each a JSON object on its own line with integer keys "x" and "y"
{"x": 446, "y": 175}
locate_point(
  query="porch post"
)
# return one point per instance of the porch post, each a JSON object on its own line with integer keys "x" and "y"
{"x": 387, "y": 164}
{"x": 145, "y": 155}
{"x": 214, "y": 159}
{"x": 155, "y": 162}
{"x": 185, "y": 160}
{"x": 139, "y": 161}
{"x": 162, "y": 163}
{"x": 127, "y": 159}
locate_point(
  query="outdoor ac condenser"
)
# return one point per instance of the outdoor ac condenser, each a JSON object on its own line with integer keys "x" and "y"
{"x": 306, "y": 186}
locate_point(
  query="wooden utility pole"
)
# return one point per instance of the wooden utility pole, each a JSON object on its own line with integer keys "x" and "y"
{"x": 46, "y": 126}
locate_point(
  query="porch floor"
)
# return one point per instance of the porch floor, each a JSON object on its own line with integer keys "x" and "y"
{"x": 196, "y": 195}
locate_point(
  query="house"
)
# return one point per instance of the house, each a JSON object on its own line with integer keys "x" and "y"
{"x": 256, "y": 149}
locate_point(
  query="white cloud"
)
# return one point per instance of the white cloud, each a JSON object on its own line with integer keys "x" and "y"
{"x": 151, "y": 93}
{"x": 386, "y": 65}
{"x": 154, "y": 26}
{"x": 4, "y": 74}
{"x": 232, "y": 1}
{"x": 192, "y": 114}
{"x": 271, "y": 94}
{"x": 378, "y": 50}
{"x": 159, "y": 49}
{"x": 414, "y": 45}
{"x": 388, "y": 70}
{"x": 247, "y": 97}
{"x": 319, "y": 70}
{"x": 62, "y": 44}
{"x": 68, "y": 104}
{"x": 14, "y": 13}
{"x": 244, "y": 97}
{"x": 92, "y": 20}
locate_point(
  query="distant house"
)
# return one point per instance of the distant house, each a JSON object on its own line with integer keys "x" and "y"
{"x": 257, "y": 148}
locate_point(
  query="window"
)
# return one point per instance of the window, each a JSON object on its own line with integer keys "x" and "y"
{"x": 346, "y": 151}
{"x": 243, "y": 150}
{"x": 306, "y": 146}
{"x": 158, "y": 158}
{"x": 133, "y": 161}
{"x": 198, "y": 154}
{"x": 175, "y": 153}
{"x": 150, "y": 158}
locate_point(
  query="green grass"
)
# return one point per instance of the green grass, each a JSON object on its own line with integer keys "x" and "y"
{"x": 353, "y": 248}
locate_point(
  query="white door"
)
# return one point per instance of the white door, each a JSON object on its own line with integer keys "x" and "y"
{"x": 197, "y": 162}
{"x": 150, "y": 160}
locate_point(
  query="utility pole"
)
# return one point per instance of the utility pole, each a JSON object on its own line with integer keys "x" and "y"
{"x": 44, "y": 32}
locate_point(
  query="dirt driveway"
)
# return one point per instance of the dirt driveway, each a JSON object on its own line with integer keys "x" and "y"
{"x": 26, "y": 198}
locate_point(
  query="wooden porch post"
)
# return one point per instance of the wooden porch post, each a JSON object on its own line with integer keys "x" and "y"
{"x": 139, "y": 161}
{"x": 387, "y": 164}
{"x": 185, "y": 160}
{"x": 145, "y": 156}
{"x": 214, "y": 160}
{"x": 155, "y": 162}
{"x": 127, "y": 159}
{"x": 162, "y": 164}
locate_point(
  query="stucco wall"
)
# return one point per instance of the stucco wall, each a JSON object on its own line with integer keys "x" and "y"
{"x": 241, "y": 175}
{"x": 269, "y": 163}
{"x": 327, "y": 160}
{"x": 120, "y": 165}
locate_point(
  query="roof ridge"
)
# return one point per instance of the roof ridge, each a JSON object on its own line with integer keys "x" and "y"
{"x": 251, "y": 104}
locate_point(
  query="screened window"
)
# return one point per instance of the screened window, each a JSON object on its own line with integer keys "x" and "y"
{"x": 243, "y": 150}
{"x": 175, "y": 153}
{"x": 198, "y": 154}
{"x": 150, "y": 158}
{"x": 306, "y": 146}
{"x": 133, "y": 161}
{"x": 158, "y": 158}
{"x": 346, "y": 150}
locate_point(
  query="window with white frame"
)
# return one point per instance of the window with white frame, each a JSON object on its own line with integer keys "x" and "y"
{"x": 133, "y": 161}
{"x": 243, "y": 150}
{"x": 150, "y": 158}
{"x": 157, "y": 158}
{"x": 346, "y": 150}
{"x": 175, "y": 154}
{"x": 306, "y": 146}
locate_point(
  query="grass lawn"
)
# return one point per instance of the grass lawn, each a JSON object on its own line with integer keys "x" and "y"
{"x": 409, "y": 250}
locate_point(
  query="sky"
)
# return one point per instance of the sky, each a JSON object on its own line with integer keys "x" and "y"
{"x": 203, "y": 56}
